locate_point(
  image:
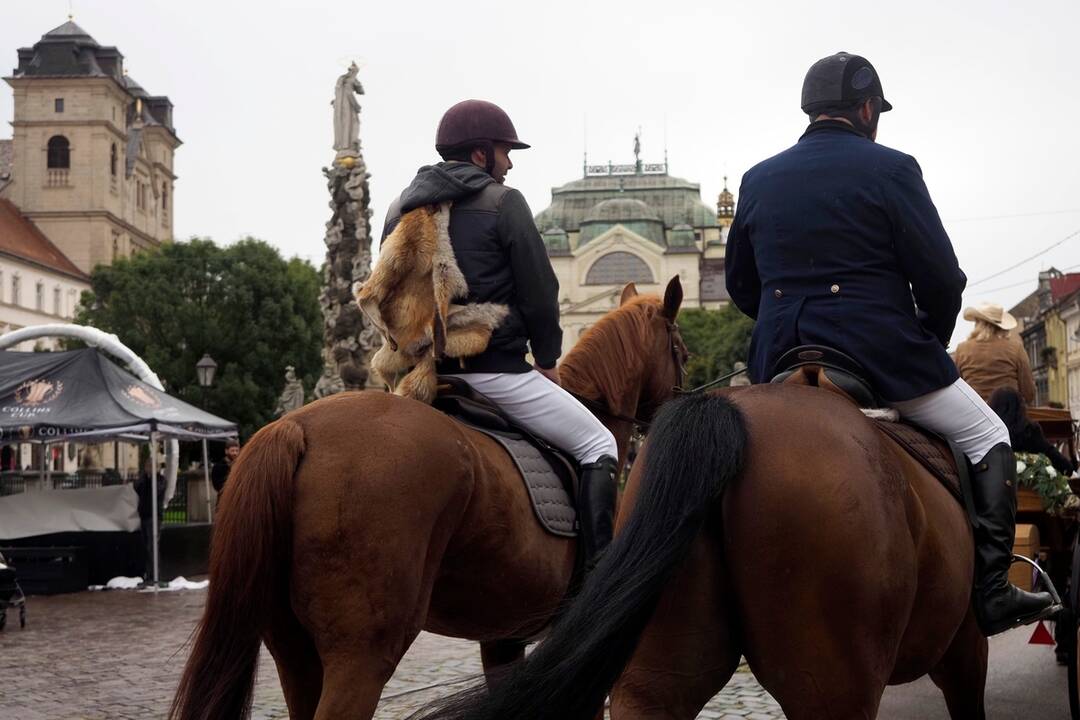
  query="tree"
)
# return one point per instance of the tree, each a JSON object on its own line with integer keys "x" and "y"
{"x": 715, "y": 339}
{"x": 246, "y": 306}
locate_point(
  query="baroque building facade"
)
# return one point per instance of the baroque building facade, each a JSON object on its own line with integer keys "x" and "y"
{"x": 632, "y": 223}
{"x": 90, "y": 162}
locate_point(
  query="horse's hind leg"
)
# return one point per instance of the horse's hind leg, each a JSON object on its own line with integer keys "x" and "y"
{"x": 298, "y": 664}
{"x": 961, "y": 674}
{"x": 499, "y": 656}
{"x": 688, "y": 651}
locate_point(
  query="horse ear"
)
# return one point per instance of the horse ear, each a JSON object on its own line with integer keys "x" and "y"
{"x": 630, "y": 291}
{"x": 672, "y": 298}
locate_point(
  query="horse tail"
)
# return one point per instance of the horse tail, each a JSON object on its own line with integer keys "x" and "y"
{"x": 249, "y": 557}
{"x": 695, "y": 449}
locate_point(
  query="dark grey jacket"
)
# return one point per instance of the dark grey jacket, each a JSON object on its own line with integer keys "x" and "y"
{"x": 502, "y": 257}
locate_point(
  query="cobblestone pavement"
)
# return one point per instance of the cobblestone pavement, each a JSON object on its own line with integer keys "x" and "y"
{"x": 118, "y": 655}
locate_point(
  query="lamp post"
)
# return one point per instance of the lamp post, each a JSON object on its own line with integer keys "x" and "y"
{"x": 205, "y": 369}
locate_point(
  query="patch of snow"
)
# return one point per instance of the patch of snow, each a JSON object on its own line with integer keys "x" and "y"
{"x": 119, "y": 583}
{"x": 180, "y": 583}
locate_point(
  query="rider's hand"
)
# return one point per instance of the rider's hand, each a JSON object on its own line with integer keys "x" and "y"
{"x": 551, "y": 374}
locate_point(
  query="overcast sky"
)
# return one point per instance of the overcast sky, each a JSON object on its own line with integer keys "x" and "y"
{"x": 985, "y": 96}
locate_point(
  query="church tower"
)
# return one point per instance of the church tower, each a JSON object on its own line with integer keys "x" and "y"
{"x": 92, "y": 162}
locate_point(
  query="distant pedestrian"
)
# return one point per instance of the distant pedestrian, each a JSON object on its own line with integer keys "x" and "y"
{"x": 219, "y": 472}
{"x": 143, "y": 488}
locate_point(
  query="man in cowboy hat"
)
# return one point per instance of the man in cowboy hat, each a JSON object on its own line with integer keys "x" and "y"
{"x": 836, "y": 242}
{"x": 503, "y": 261}
{"x": 989, "y": 359}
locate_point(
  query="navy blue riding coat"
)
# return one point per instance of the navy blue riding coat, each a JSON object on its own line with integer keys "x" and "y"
{"x": 836, "y": 242}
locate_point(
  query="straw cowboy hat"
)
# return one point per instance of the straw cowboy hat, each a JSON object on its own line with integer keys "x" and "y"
{"x": 991, "y": 313}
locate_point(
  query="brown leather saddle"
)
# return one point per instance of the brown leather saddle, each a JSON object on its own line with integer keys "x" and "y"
{"x": 550, "y": 475}
{"x": 832, "y": 370}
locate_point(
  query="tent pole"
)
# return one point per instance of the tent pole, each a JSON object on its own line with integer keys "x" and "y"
{"x": 206, "y": 481}
{"x": 154, "y": 502}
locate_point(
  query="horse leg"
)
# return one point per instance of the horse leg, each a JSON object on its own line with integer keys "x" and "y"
{"x": 362, "y": 584}
{"x": 298, "y": 664}
{"x": 961, "y": 674}
{"x": 688, "y": 651}
{"x": 498, "y": 656}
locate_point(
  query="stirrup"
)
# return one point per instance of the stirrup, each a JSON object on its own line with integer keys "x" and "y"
{"x": 1044, "y": 578}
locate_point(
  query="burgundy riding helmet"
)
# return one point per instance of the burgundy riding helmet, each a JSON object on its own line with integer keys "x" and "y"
{"x": 475, "y": 122}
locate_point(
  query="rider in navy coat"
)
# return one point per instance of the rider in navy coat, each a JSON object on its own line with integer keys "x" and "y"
{"x": 851, "y": 244}
{"x": 836, "y": 242}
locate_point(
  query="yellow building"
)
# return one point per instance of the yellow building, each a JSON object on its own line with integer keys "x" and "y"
{"x": 91, "y": 159}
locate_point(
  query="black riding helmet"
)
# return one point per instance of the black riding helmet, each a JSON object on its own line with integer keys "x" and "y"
{"x": 839, "y": 80}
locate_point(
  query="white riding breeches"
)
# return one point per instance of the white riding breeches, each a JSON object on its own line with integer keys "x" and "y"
{"x": 547, "y": 411}
{"x": 958, "y": 413}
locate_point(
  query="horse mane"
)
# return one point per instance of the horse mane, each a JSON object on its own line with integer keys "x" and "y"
{"x": 612, "y": 351}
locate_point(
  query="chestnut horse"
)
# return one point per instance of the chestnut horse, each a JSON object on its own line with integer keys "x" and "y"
{"x": 774, "y": 522}
{"x": 357, "y": 521}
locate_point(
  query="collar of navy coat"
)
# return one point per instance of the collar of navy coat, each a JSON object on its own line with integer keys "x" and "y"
{"x": 830, "y": 126}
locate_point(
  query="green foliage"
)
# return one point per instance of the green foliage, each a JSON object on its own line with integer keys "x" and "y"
{"x": 716, "y": 339}
{"x": 253, "y": 311}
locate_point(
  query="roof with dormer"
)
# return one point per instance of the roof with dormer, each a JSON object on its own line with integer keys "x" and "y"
{"x": 647, "y": 196}
{"x": 69, "y": 51}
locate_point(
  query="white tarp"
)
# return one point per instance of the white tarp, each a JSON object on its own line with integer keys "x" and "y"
{"x": 42, "y": 512}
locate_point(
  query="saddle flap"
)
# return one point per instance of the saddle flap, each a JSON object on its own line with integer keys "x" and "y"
{"x": 549, "y": 474}
{"x": 932, "y": 452}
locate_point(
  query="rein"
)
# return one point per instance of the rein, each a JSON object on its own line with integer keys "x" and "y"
{"x": 711, "y": 383}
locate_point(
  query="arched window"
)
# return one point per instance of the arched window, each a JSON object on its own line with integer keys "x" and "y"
{"x": 59, "y": 153}
{"x": 164, "y": 196}
{"x": 617, "y": 268}
{"x": 112, "y": 160}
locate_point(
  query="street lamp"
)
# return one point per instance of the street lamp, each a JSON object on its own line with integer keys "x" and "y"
{"x": 205, "y": 369}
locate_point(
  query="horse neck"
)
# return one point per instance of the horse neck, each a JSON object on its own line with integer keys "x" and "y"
{"x": 620, "y": 394}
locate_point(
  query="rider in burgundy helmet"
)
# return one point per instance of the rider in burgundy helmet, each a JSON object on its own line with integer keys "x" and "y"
{"x": 500, "y": 253}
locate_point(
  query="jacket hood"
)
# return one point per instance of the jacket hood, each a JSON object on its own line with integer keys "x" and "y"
{"x": 445, "y": 181}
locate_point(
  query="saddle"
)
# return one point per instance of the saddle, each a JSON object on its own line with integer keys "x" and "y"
{"x": 832, "y": 370}
{"x": 550, "y": 475}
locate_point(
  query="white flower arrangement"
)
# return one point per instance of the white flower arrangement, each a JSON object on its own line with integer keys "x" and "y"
{"x": 1034, "y": 471}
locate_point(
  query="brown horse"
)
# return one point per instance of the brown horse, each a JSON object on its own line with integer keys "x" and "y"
{"x": 774, "y": 522}
{"x": 357, "y": 521}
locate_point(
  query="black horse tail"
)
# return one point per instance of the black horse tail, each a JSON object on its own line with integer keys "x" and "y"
{"x": 695, "y": 448}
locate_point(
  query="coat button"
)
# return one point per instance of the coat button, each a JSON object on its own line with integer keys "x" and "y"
{"x": 778, "y": 293}
{"x": 834, "y": 289}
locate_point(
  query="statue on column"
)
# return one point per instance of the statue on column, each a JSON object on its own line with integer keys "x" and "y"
{"x": 292, "y": 397}
{"x": 347, "y": 114}
{"x": 348, "y": 339}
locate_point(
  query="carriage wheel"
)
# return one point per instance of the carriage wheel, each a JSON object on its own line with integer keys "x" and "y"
{"x": 1071, "y": 637}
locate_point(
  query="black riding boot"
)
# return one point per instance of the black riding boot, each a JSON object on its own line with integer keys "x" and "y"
{"x": 998, "y": 604}
{"x": 596, "y": 505}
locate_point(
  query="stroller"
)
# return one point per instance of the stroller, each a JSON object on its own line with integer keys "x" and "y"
{"x": 11, "y": 595}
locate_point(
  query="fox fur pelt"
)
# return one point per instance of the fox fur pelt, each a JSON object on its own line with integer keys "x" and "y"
{"x": 409, "y": 298}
